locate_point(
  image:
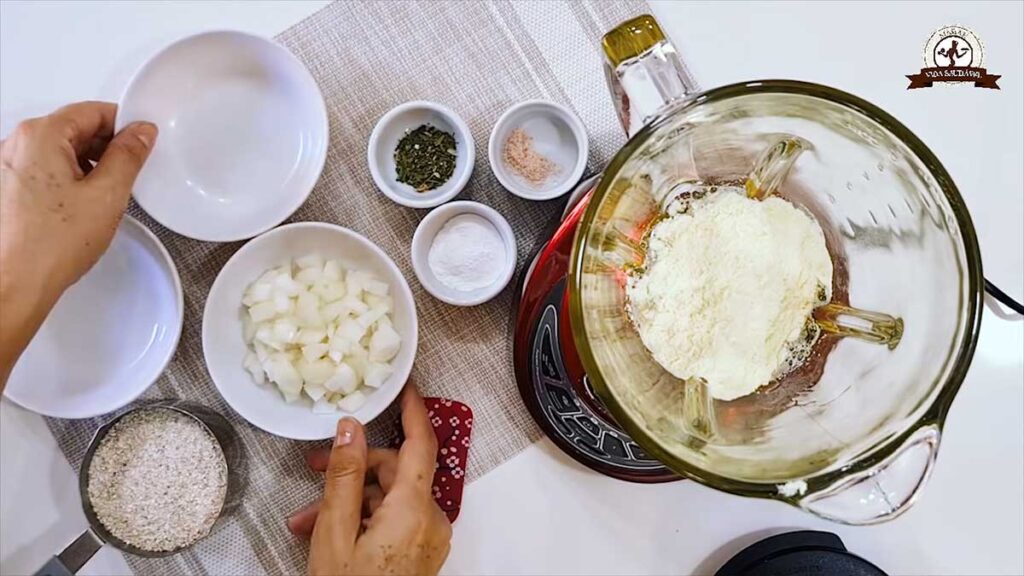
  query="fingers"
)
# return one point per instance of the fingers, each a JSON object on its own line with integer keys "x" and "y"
{"x": 317, "y": 459}
{"x": 381, "y": 464}
{"x": 384, "y": 466}
{"x": 340, "y": 516}
{"x": 373, "y": 496}
{"x": 123, "y": 159}
{"x": 81, "y": 122}
{"x": 418, "y": 454}
{"x": 302, "y": 522}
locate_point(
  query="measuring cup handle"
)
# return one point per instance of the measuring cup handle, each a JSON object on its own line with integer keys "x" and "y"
{"x": 644, "y": 72}
{"x": 72, "y": 558}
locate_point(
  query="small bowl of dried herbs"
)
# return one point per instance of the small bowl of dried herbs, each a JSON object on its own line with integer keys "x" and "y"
{"x": 421, "y": 154}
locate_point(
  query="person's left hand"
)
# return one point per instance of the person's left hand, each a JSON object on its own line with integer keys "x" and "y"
{"x": 58, "y": 213}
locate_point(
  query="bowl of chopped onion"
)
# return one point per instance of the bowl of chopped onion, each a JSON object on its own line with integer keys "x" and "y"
{"x": 305, "y": 324}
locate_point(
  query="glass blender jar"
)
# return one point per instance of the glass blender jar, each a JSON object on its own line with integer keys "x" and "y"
{"x": 856, "y": 441}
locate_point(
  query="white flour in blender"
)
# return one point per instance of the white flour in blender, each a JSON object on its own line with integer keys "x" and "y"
{"x": 467, "y": 253}
{"x": 727, "y": 289}
{"x": 158, "y": 480}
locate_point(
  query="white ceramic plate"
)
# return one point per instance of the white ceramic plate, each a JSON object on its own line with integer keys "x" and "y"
{"x": 224, "y": 347}
{"x": 109, "y": 337}
{"x": 243, "y": 135}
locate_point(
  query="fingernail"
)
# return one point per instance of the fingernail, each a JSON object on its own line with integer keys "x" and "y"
{"x": 346, "y": 429}
{"x": 145, "y": 131}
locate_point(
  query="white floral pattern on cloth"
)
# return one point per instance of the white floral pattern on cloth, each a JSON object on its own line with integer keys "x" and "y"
{"x": 453, "y": 425}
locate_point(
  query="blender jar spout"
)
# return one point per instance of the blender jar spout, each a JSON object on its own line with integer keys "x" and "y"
{"x": 644, "y": 72}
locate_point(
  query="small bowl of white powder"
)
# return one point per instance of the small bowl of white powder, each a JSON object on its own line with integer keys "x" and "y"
{"x": 464, "y": 253}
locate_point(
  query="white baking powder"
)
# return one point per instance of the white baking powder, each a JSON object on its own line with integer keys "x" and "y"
{"x": 467, "y": 253}
{"x": 728, "y": 288}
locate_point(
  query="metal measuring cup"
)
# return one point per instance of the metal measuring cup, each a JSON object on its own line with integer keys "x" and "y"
{"x": 76, "y": 554}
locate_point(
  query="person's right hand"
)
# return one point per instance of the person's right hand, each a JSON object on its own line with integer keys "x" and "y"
{"x": 390, "y": 526}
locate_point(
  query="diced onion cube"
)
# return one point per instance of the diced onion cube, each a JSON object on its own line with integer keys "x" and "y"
{"x": 248, "y": 328}
{"x": 370, "y": 317}
{"x": 315, "y": 393}
{"x": 313, "y": 352}
{"x": 282, "y": 302}
{"x": 284, "y": 284}
{"x": 353, "y": 402}
{"x": 310, "y": 261}
{"x": 262, "y": 312}
{"x": 374, "y": 286}
{"x": 332, "y": 270}
{"x": 354, "y": 306}
{"x": 258, "y": 292}
{"x": 376, "y": 374}
{"x": 307, "y": 311}
{"x": 311, "y": 336}
{"x": 351, "y": 329}
{"x": 344, "y": 380}
{"x": 285, "y": 331}
{"x": 284, "y": 374}
{"x": 253, "y": 365}
{"x": 325, "y": 406}
{"x": 329, "y": 291}
{"x": 384, "y": 344}
{"x": 333, "y": 310}
{"x": 309, "y": 276}
{"x": 316, "y": 372}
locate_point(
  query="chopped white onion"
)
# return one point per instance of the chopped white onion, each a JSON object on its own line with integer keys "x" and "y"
{"x": 310, "y": 261}
{"x": 376, "y": 374}
{"x": 325, "y": 406}
{"x": 353, "y": 402}
{"x": 325, "y": 332}
{"x": 384, "y": 344}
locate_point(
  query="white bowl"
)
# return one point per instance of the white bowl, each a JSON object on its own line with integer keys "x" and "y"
{"x": 243, "y": 135}
{"x": 380, "y": 152}
{"x": 557, "y": 134}
{"x": 224, "y": 347}
{"x": 109, "y": 337}
{"x": 424, "y": 237}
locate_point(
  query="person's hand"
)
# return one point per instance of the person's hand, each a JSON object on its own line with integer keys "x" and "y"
{"x": 58, "y": 213}
{"x": 392, "y": 524}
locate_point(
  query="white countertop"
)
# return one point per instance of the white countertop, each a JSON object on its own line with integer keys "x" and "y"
{"x": 541, "y": 512}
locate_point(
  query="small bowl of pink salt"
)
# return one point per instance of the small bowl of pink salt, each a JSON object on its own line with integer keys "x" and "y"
{"x": 538, "y": 150}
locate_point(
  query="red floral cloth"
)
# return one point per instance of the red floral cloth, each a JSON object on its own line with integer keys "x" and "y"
{"x": 453, "y": 425}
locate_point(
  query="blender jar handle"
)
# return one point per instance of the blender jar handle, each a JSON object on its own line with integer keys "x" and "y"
{"x": 884, "y": 491}
{"x": 644, "y": 72}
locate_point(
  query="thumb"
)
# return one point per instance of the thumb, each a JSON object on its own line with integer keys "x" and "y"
{"x": 125, "y": 155}
{"x": 343, "y": 483}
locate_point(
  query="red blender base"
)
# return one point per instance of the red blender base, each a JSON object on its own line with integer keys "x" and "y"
{"x": 549, "y": 373}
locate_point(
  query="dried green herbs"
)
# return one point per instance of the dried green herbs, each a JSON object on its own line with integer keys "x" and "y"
{"x": 425, "y": 158}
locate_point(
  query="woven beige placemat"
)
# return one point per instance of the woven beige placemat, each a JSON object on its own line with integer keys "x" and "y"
{"x": 479, "y": 58}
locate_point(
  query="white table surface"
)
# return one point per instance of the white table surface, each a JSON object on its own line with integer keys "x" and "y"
{"x": 540, "y": 512}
